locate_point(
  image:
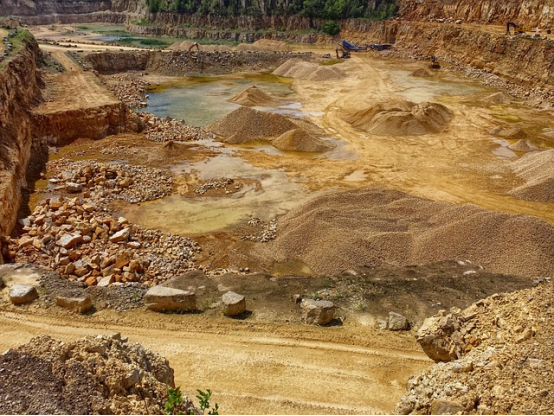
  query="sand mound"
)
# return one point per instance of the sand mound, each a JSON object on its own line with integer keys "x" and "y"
{"x": 509, "y": 132}
{"x": 246, "y": 124}
{"x": 537, "y": 169}
{"x": 401, "y": 118}
{"x": 253, "y": 96}
{"x": 298, "y": 140}
{"x": 310, "y": 71}
{"x": 264, "y": 45}
{"x": 520, "y": 146}
{"x": 186, "y": 44}
{"x": 498, "y": 98}
{"x": 375, "y": 226}
{"x": 423, "y": 73}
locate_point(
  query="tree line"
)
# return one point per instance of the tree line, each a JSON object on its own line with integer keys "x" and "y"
{"x": 323, "y": 9}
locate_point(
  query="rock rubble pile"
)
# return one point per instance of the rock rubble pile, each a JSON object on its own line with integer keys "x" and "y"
{"x": 166, "y": 129}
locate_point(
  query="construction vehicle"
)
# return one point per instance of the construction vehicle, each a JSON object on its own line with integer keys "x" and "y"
{"x": 194, "y": 45}
{"x": 347, "y": 46}
{"x": 434, "y": 63}
{"x": 518, "y": 29}
{"x": 341, "y": 53}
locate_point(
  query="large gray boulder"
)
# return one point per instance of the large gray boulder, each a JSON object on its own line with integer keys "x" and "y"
{"x": 317, "y": 312}
{"x": 79, "y": 304}
{"x": 20, "y": 294}
{"x": 161, "y": 299}
{"x": 397, "y": 322}
{"x": 233, "y": 304}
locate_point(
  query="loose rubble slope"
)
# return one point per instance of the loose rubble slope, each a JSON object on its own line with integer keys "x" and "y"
{"x": 505, "y": 342}
{"x": 95, "y": 375}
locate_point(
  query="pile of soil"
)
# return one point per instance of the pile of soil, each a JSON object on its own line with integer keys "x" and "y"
{"x": 246, "y": 124}
{"x": 310, "y": 71}
{"x": 401, "y": 118}
{"x": 264, "y": 45}
{"x": 497, "y": 98}
{"x": 298, "y": 140}
{"x": 508, "y": 369}
{"x": 95, "y": 375}
{"x": 374, "y": 226}
{"x": 186, "y": 44}
{"x": 537, "y": 169}
{"x": 422, "y": 73}
{"x": 252, "y": 97}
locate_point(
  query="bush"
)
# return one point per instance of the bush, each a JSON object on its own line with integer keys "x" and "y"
{"x": 331, "y": 27}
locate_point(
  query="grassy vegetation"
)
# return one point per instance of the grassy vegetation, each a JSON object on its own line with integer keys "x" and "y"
{"x": 18, "y": 41}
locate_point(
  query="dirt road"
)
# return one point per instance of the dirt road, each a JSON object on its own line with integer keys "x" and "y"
{"x": 78, "y": 89}
{"x": 255, "y": 367}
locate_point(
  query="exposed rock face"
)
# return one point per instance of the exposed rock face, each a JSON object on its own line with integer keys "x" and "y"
{"x": 188, "y": 63}
{"x": 95, "y": 375}
{"x": 504, "y": 366}
{"x": 317, "y": 312}
{"x": 19, "y": 91}
{"x": 163, "y": 299}
{"x": 233, "y": 304}
{"x": 20, "y": 294}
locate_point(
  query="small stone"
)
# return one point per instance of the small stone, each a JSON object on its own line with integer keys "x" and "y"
{"x": 69, "y": 240}
{"x": 233, "y": 304}
{"x": 81, "y": 304}
{"x": 20, "y": 294}
{"x": 121, "y": 235}
{"x": 91, "y": 281}
{"x": 73, "y": 187}
{"x": 106, "y": 281}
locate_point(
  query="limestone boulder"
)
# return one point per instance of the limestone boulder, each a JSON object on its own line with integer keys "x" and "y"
{"x": 20, "y": 294}
{"x": 317, "y": 312}
{"x": 122, "y": 235}
{"x": 438, "y": 337}
{"x": 233, "y": 304}
{"x": 397, "y": 322}
{"x": 68, "y": 241}
{"x": 162, "y": 299}
{"x": 79, "y": 304}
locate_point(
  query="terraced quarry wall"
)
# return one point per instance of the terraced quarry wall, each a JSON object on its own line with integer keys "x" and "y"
{"x": 19, "y": 92}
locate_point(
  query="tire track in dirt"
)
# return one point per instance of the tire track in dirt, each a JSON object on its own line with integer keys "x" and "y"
{"x": 255, "y": 367}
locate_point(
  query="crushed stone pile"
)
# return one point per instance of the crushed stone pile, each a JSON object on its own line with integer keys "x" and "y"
{"x": 401, "y": 118}
{"x": 520, "y": 146}
{"x": 298, "y": 140}
{"x": 78, "y": 239}
{"x": 164, "y": 129}
{"x": 537, "y": 169}
{"x": 501, "y": 359}
{"x": 310, "y": 71}
{"x": 252, "y": 97}
{"x": 373, "y": 226}
{"x": 94, "y": 375}
{"x": 246, "y": 124}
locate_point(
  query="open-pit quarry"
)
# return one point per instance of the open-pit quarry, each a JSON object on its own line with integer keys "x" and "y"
{"x": 377, "y": 215}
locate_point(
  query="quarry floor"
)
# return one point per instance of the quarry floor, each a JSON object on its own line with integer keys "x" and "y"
{"x": 267, "y": 367}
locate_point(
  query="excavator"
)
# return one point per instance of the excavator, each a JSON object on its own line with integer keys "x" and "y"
{"x": 517, "y": 28}
{"x": 194, "y": 45}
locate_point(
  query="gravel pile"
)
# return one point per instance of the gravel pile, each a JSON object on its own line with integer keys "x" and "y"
{"x": 128, "y": 88}
{"x": 252, "y": 97}
{"x": 506, "y": 366}
{"x": 95, "y": 375}
{"x": 401, "y": 118}
{"x": 373, "y": 226}
{"x": 102, "y": 182}
{"x": 246, "y": 124}
{"x": 537, "y": 169}
{"x": 310, "y": 71}
{"x": 298, "y": 140}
